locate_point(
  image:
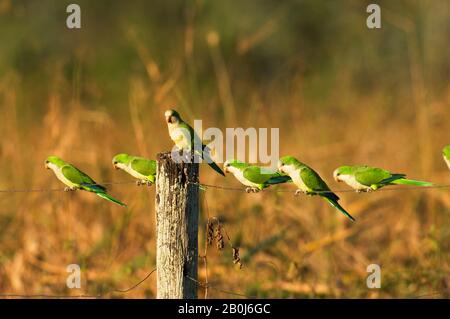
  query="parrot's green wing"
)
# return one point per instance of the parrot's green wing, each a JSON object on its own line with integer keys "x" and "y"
{"x": 312, "y": 180}
{"x": 192, "y": 133}
{"x": 371, "y": 175}
{"x": 196, "y": 144}
{"x": 394, "y": 178}
{"x": 76, "y": 176}
{"x": 257, "y": 174}
{"x": 195, "y": 137}
{"x": 144, "y": 166}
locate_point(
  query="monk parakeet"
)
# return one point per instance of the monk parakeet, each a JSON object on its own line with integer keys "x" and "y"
{"x": 254, "y": 177}
{"x": 366, "y": 178}
{"x": 75, "y": 179}
{"x": 309, "y": 182}
{"x": 141, "y": 168}
{"x": 185, "y": 138}
{"x": 446, "y": 153}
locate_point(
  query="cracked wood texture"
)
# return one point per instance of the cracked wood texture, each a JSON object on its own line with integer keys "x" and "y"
{"x": 176, "y": 228}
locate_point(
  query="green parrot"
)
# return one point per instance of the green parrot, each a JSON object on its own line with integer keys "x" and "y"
{"x": 185, "y": 138}
{"x": 141, "y": 168}
{"x": 446, "y": 154}
{"x": 366, "y": 178}
{"x": 75, "y": 179}
{"x": 254, "y": 177}
{"x": 309, "y": 182}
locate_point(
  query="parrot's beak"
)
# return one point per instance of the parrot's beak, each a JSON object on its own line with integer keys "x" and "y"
{"x": 115, "y": 166}
{"x": 225, "y": 169}
{"x": 336, "y": 177}
{"x": 46, "y": 165}
{"x": 169, "y": 119}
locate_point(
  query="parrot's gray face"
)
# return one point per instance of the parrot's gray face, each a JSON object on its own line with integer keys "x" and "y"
{"x": 52, "y": 166}
{"x": 172, "y": 120}
{"x": 286, "y": 169}
{"x": 336, "y": 176}
{"x": 171, "y": 117}
{"x": 226, "y": 166}
{"x": 119, "y": 165}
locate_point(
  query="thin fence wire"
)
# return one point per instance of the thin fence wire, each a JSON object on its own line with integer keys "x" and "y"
{"x": 284, "y": 190}
{"x": 238, "y": 189}
{"x": 228, "y": 292}
{"x": 104, "y": 294}
{"x": 204, "y": 285}
{"x": 60, "y": 189}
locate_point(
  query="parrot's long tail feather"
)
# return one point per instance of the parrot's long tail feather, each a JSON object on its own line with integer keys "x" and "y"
{"x": 208, "y": 159}
{"x": 336, "y": 205}
{"x": 404, "y": 181}
{"x": 216, "y": 167}
{"x": 110, "y": 198}
{"x": 279, "y": 180}
{"x": 93, "y": 187}
{"x": 391, "y": 179}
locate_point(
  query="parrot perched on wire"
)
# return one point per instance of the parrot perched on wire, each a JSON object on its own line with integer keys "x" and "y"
{"x": 185, "y": 138}
{"x": 75, "y": 179}
{"x": 309, "y": 182}
{"x": 254, "y": 177}
{"x": 141, "y": 168}
{"x": 366, "y": 178}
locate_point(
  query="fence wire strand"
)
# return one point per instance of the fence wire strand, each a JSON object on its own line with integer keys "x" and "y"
{"x": 284, "y": 190}
{"x": 237, "y": 189}
{"x": 101, "y": 295}
{"x": 204, "y": 285}
{"x": 60, "y": 189}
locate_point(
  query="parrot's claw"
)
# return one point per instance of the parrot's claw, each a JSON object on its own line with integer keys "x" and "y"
{"x": 68, "y": 189}
{"x": 149, "y": 183}
{"x": 138, "y": 183}
{"x": 251, "y": 190}
{"x": 298, "y": 192}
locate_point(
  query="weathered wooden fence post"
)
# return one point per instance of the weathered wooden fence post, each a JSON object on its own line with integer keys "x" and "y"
{"x": 176, "y": 227}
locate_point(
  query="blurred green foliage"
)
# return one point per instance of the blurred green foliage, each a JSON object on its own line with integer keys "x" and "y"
{"x": 315, "y": 40}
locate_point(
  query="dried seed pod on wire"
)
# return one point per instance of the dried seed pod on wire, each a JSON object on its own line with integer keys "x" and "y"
{"x": 236, "y": 257}
{"x": 210, "y": 232}
{"x": 220, "y": 243}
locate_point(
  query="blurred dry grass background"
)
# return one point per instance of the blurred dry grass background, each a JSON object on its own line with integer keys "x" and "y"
{"x": 339, "y": 92}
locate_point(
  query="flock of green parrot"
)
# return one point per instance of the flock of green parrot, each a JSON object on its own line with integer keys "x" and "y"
{"x": 362, "y": 178}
